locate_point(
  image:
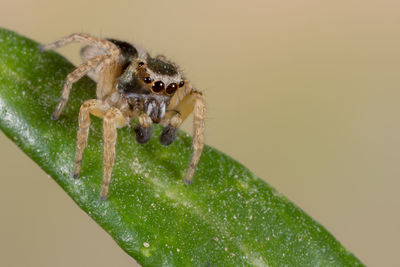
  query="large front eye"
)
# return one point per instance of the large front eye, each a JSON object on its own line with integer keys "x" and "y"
{"x": 171, "y": 88}
{"x": 158, "y": 86}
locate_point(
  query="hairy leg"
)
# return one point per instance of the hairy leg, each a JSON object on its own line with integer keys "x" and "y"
{"x": 184, "y": 102}
{"x": 97, "y": 108}
{"x": 73, "y": 77}
{"x": 112, "y": 120}
{"x": 199, "y": 115}
{"x": 82, "y": 38}
{"x": 180, "y": 107}
{"x": 110, "y": 66}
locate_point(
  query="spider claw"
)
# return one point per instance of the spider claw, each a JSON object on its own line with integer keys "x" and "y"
{"x": 188, "y": 182}
{"x": 76, "y": 175}
{"x": 54, "y": 117}
{"x": 41, "y": 48}
{"x": 102, "y": 198}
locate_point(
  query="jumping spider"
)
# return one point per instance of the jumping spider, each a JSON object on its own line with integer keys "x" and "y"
{"x": 131, "y": 84}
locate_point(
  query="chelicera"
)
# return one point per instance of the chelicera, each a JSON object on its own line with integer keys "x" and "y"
{"x": 131, "y": 84}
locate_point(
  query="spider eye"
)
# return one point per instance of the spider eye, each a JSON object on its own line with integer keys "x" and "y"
{"x": 147, "y": 80}
{"x": 182, "y": 83}
{"x": 171, "y": 88}
{"x": 141, "y": 64}
{"x": 158, "y": 86}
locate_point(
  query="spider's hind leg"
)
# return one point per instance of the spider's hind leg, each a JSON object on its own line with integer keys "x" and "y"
{"x": 108, "y": 61}
{"x": 82, "y": 38}
{"x": 73, "y": 77}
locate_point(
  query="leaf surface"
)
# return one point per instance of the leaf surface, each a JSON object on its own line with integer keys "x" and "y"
{"x": 226, "y": 217}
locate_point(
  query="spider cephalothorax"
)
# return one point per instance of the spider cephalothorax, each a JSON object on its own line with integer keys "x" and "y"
{"x": 131, "y": 84}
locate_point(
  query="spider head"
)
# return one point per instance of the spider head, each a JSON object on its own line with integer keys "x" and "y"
{"x": 149, "y": 83}
{"x": 160, "y": 76}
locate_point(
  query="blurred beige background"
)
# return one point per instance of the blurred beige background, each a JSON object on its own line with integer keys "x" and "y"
{"x": 304, "y": 93}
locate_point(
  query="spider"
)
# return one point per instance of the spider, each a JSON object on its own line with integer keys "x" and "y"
{"x": 131, "y": 84}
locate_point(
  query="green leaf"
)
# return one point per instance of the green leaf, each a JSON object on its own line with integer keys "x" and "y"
{"x": 226, "y": 217}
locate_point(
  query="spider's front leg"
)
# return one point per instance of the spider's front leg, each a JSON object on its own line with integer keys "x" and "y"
{"x": 97, "y": 108}
{"x": 186, "y": 101}
{"x": 112, "y": 120}
{"x": 199, "y": 116}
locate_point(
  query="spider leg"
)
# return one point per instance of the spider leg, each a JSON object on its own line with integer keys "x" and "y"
{"x": 180, "y": 107}
{"x": 199, "y": 115}
{"x": 97, "y": 108}
{"x": 88, "y": 52}
{"x": 110, "y": 68}
{"x": 82, "y": 38}
{"x": 73, "y": 77}
{"x": 108, "y": 76}
{"x": 187, "y": 100}
{"x": 112, "y": 120}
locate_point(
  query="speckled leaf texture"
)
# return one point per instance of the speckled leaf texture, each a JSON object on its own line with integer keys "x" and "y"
{"x": 226, "y": 217}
